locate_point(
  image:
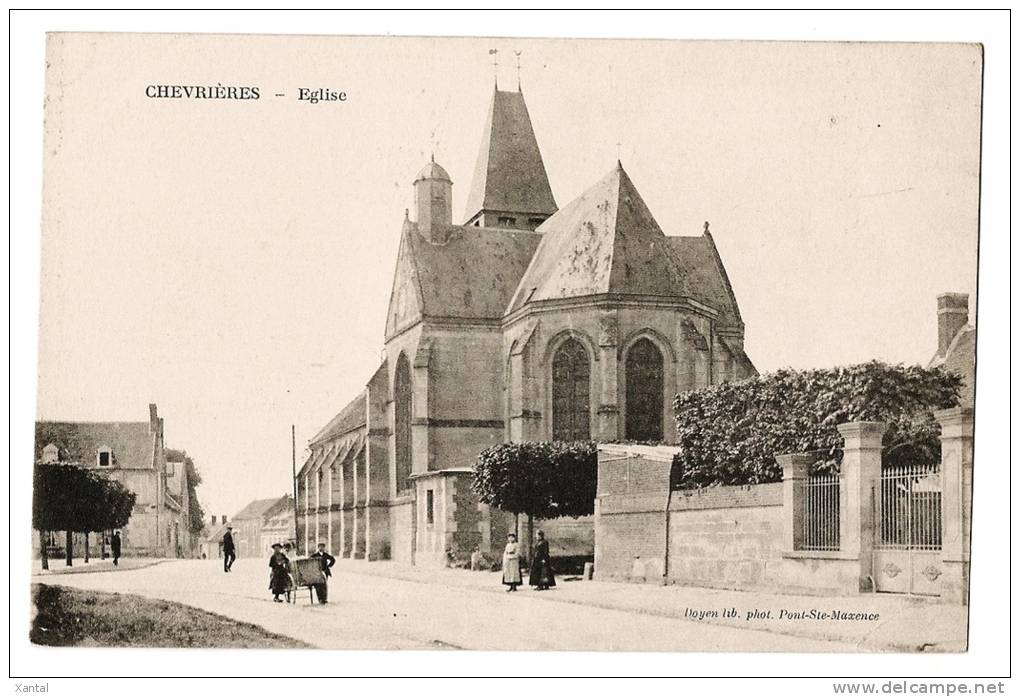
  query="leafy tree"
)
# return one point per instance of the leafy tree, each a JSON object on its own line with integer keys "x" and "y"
{"x": 538, "y": 479}
{"x": 196, "y": 516}
{"x": 731, "y": 433}
{"x": 75, "y": 499}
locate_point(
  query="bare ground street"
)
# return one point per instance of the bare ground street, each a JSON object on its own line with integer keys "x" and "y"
{"x": 374, "y": 612}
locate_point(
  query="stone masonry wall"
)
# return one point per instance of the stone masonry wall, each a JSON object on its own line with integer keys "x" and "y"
{"x": 726, "y": 537}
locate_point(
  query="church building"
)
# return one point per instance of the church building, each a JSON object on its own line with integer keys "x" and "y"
{"x": 525, "y": 322}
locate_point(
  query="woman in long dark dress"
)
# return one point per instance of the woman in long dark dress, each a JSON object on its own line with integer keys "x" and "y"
{"x": 541, "y": 573}
{"x": 279, "y": 573}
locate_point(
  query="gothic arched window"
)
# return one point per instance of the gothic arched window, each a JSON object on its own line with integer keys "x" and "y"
{"x": 402, "y": 391}
{"x": 644, "y": 391}
{"x": 571, "y": 386}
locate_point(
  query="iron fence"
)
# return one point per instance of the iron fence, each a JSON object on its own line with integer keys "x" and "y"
{"x": 820, "y": 515}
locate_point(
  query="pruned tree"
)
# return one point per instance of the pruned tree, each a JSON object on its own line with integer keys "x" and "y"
{"x": 538, "y": 479}
{"x": 75, "y": 499}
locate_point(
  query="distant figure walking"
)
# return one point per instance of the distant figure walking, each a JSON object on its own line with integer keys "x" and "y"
{"x": 541, "y": 574}
{"x": 511, "y": 564}
{"x": 229, "y": 554}
{"x": 115, "y": 547}
{"x": 279, "y": 573}
{"x": 326, "y": 560}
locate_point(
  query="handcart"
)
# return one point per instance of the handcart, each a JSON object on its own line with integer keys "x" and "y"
{"x": 305, "y": 573}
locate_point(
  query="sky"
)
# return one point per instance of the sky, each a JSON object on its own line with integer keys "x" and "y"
{"x": 231, "y": 261}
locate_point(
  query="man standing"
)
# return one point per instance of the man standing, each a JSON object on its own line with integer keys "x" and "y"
{"x": 326, "y": 561}
{"x": 115, "y": 546}
{"x": 228, "y": 550}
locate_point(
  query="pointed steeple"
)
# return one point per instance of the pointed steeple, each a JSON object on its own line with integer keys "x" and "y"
{"x": 605, "y": 241}
{"x": 510, "y": 187}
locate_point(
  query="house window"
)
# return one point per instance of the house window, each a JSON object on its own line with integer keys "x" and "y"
{"x": 430, "y": 510}
{"x": 402, "y": 391}
{"x": 535, "y": 222}
{"x": 644, "y": 392}
{"x": 170, "y": 468}
{"x": 50, "y": 454}
{"x": 506, "y": 221}
{"x": 104, "y": 457}
{"x": 571, "y": 386}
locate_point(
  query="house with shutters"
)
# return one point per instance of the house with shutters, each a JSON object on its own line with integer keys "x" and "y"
{"x": 527, "y": 321}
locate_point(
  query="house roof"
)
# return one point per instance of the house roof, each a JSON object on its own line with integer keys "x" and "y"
{"x": 217, "y": 533}
{"x": 474, "y": 274}
{"x": 509, "y": 174}
{"x": 960, "y": 358}
{"x": 255, "y": 509}
{"x": 605, "y": 241}
{"x": 284, "y": 504}
{"x": 350, "y": 417}
{"x": 130, "y": 442}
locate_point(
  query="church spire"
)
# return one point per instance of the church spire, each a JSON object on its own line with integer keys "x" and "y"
{"x": 510, "y": 187}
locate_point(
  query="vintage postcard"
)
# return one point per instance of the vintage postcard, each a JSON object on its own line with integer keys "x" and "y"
{"x": 506, "y": 344}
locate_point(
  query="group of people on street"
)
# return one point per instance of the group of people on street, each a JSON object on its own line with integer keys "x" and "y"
{"x": 540, "y": 573}
{"x": 281, "y": 578}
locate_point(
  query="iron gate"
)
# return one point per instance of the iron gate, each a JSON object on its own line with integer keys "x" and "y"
{"x": 908, "y": 529}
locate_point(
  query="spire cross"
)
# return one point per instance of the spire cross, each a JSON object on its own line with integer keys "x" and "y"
{"x": 494, "y": 52}
{"x": 518, "y": 54}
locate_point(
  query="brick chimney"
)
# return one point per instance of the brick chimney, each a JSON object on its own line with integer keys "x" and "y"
{"x": 213, "y": 521}
{"x": 153, "y": 419}
{"x": 952, "y": 309}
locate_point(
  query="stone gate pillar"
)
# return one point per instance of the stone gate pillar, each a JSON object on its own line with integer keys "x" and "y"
{"x": 859, "y": 473}
{"x": 957, "y": 480}
{"x": 795, "y": 472}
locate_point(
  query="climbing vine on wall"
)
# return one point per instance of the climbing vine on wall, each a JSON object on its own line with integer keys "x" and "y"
{"x": 730, "y": 434}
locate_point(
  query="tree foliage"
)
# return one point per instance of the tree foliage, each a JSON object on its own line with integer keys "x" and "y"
{"x": 541, "y": 479}
{"x": 731, "y": 433}
{"x": 196, "y": 516}
{"x": 66, "y": 497}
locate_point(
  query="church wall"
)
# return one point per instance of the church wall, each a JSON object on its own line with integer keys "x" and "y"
{"x": 683, "y": 338}
{"x": 466, "y": 374}
{"x": 406, "y": 343}
{"x": 459, "y": 447}
{"x": 401, "y": 531}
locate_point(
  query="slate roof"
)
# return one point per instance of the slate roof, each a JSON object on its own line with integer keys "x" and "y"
{"x": 706, "y": 277}
{"x": 605, "y": 241}
{"x": 474, "y": 274}
{"x": 255, "y": 509}
{"x": 131, "y": 442}
{"x": 217, "y": 534}
{"x": 509, "y": 174}
{"x": 350, "y": 417}
{"x": 960, "y": 358}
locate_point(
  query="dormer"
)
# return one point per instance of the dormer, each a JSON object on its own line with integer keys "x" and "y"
{"x": 104, "y": 457}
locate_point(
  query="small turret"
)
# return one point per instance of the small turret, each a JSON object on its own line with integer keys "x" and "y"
{"x": 433, "y": 193}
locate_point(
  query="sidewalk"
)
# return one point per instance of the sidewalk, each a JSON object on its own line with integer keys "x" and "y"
{"x": 59, "y": 567}
{"x": 887, "y": 623}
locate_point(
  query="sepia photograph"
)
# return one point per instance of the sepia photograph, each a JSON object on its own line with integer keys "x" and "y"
{"x": 494, "y": 344}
